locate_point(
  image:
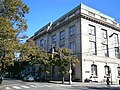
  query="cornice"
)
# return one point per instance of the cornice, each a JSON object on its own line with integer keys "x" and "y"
{"x": 104, "y": 23}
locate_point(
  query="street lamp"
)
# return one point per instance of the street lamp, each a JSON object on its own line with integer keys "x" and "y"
{"x": 70, "y": 72}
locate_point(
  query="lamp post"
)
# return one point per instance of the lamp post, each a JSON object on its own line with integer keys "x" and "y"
{"x": 70, "y": 72}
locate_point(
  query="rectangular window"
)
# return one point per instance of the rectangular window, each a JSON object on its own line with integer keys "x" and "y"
{"x": 41, "y": 43}
{"x": 94, "y": 70}
{"x": 73, "y": 46}
{"x": 92, "y": 30}
{"x": 62, "y": 35}
{"x": 105, "y": 50}
{"x": 117, "y": 52}
{"x": 104, "y": 33}
{"x": 115, "y": 38}
{"x": 72, "y": 30}
{"x": 54, "y": 39}
{"x": 118, "y": 71}
{"x": 107, "y": 70}
{"x": 92, "y": 47}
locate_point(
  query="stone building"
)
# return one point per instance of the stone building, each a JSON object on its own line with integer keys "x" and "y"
{"x": 93, "y": 36}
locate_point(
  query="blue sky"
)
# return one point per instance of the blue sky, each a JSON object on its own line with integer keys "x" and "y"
{"x": 45, "y": 11}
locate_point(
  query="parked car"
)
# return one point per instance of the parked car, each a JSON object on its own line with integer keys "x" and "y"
{"x": 29, "y": 78}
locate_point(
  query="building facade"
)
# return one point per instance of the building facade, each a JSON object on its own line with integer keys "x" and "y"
{"x": 92, "y": 36}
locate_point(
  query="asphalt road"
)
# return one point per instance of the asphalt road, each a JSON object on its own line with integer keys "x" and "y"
{"x": 21, "y": 85}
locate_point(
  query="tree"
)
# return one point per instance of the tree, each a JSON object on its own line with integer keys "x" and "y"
{"x": 12, "y": 23}
{"x": 64, "y": 59}
{"x": 36, "y": 56}
{"x": 15, "y": 11}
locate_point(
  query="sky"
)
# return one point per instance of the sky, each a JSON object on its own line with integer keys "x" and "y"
{"x": 44, "y": 11}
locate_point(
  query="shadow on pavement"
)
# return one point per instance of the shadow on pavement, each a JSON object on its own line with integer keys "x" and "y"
{"x": 104, "y": 88}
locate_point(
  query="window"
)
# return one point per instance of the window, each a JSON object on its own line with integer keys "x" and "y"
{"x": 104, "y": 33}
{"x": 117, "y": 52}
{"x": 92, "y": 47}
{"x": 54, "y": 39}
{"x": 118, "y": 71}
{"x": 107, "y": 70}
{"x": 92, "y": 30}
{"x": 62, "y": 35}
{"x": 94, "y": 70}
{"x": 73, "y": 46}
{"x": 72, "y": 30}
{"x": 41, "y": 43}
{"x": 105, "y": 50}
{"x": 115, "y": 38}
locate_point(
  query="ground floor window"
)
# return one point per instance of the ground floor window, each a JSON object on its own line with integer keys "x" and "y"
{"x": 94, "y": 70}
{"x": 118, "y": 71}
{"x": 107, "y": 70}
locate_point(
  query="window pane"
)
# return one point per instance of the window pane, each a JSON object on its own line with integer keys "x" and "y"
{"x": 94, "y": 69}
{"x": 72, "y": 30}
{"x": 105, "y": 50}
{"x": 62, "y": 35}
{"x": 104, "y": 34}
{"x": 73, "y": 47}
{"x": 92, "y": 30}
{"x": 92, "y": 47}
{"x": 54, "y": 38}
{"x": 118, "y": 71}
{"x": 117, "y": 52}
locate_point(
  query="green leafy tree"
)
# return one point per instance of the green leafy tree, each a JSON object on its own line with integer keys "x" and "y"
{"x": 12, "y": 23}
{"x": 34, "y": 55}
{"x": 64, "y": 59}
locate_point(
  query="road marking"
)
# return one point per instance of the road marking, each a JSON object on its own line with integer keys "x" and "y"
{"x": 25, "y": 86}
{"x": 47, "y": 85}
{"x": 33, "y": 86}
{"x": 7, "y": 88}
{"x": 16, "y": 87}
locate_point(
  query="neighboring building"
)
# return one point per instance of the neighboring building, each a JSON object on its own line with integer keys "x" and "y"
{"x": 91, "y": 35}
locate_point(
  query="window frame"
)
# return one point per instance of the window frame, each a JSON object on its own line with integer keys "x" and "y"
{"x": 72, "y": 30}
{"x": 62, "y": 34}
{"x": 94, "y": 71}
{"x": 73, "y": 46}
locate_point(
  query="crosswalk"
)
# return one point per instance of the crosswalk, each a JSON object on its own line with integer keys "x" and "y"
{"x": 28, "y": 86}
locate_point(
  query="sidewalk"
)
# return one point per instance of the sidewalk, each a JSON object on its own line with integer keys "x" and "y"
{"x": 90, "y": 84}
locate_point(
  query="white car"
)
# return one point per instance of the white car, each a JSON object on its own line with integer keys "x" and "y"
{"x": 29, "y": 78}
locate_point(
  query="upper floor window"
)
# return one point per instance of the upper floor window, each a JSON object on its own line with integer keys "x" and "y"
{"x": 62, "y": 35}
{"x": 54, "y": 39}
{"x": 117, "y": 52}
{"x": 105, "y": 50}
{"x": 104, "y": 33}
{"x": 72, "y": 30}
{"x": 73, "y": 46}
{"x": 115, "y": 38}
{"x": 94, "y": 70}
{"x": 92, "y": 47}
{"x": 41, "y": 43}
{"x": 92, "y": 30}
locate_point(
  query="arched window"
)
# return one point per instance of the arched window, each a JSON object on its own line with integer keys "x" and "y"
{"x": 94, "y": 70}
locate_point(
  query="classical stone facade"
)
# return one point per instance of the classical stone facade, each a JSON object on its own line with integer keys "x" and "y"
{"x": 91, "y": 35}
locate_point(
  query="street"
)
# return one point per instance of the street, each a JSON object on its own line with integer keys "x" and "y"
{"x": 21, "y": 85}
